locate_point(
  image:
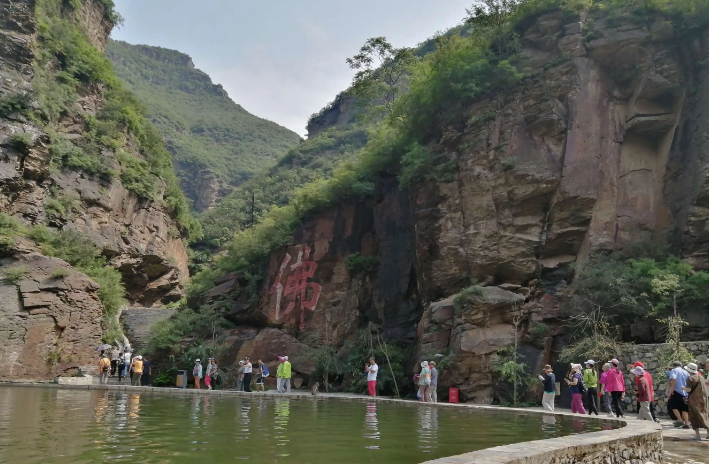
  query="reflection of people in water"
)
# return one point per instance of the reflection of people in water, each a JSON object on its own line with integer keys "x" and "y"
{"x": 282, "y": 410}
{"x": 101, "y": 405}
{"x": 134, "y": 406}
{"x": 428, "y": 428}
{"x": 371, "y": 424}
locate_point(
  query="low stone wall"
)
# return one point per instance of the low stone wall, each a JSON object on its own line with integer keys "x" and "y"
{"x": 639, "y": 442}
{"x": 648, "y": 355}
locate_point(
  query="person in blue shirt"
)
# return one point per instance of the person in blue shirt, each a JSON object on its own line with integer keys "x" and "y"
{"x": 676, "y": 396}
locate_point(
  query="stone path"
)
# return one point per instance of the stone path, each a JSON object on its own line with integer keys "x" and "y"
{"x": 137, "y": 322}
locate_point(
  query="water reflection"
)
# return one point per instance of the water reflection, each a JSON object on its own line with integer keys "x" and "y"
{"x": 428, "y": 428}
{"x": 371, "y": 425}
{"x": 79, "y": 427}
{"x": 282, "y": 411}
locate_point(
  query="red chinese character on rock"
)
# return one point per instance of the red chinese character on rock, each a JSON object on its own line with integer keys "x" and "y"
{"x": 297, "y": 286}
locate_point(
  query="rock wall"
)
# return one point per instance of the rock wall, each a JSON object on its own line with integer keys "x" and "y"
{"x": 599, "y": 149}
{"x": 53, "y": 324}
{"x": 649, "y": 356}
{"x": 50, "y": 320}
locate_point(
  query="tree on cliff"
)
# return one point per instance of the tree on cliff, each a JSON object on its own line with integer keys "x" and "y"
{"x": 381, "y": 75}
{"x": 494, "y": 19}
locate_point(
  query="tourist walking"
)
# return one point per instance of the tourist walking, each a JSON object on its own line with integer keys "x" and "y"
{"x": 240, "y": 377}
{"x": 207, "y": 378}
{"x": 126, "y": 362}
{"x": 575, "y": 381}
{"x": 371, "y": 369}
{"x": 697, "y": 400}
{"x": 615, "y": 384}
{"x": 549, "y": 381}
{"x": 212, "y": 373}
{"x": 146, "y": 379}
{"x": 644, "y": 393}
{"x": 604, "y": 393}
{"x": 651, "y": 388}
{"x": 115, "y": 360}
{"x": 137, "y": 369}
{"x": 433, "y": 390}
{"x": 424, "y": 381}
{"x": 104, "y": 369}
{"x": 261, "y": 377}
{"x": 677, "y": 394}
{"x": 590, "y": 381}
{"x": 248, "y": 372}
{"x": 283, "y": 375}
{"x": 197, "y": 372}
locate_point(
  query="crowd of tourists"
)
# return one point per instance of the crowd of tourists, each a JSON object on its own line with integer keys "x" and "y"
{"x": 123, "y": 364}
{"x": 686, "y": 394}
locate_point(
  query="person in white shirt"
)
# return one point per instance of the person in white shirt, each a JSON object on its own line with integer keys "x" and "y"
{"x": 248, "y": 369}
{"x": 126, "y": 363}
{"x": 372, "y": 370}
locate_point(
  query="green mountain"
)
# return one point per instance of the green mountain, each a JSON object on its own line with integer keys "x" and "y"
{"x": 216, "y": 144}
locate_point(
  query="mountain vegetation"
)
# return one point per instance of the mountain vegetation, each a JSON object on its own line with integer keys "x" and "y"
{"x": 202, "y": 127}
{"x": 461, "y": 69}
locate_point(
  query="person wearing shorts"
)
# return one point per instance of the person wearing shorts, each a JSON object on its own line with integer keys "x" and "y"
{"x": 260, "y": 386}
{"x": 676, "y": 400}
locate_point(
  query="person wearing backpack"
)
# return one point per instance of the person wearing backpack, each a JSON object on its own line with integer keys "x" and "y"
{"x": 575, "y": 382}
{"x": 590, "y": 381}
{"x": 262, "y": 374}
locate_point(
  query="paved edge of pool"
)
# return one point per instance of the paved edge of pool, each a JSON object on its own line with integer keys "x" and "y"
{"x": 639, "y": 442}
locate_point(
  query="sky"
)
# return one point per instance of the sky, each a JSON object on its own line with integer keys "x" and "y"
{"x": 281, "y": 59}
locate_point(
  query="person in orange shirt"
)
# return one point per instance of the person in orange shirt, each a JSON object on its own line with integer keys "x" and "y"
{"x": 137, "y": 366}
{"x": 104, "y": 369}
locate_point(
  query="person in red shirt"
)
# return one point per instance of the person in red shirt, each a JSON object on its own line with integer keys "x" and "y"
{"x": 648, "y": 377}
{"x": 644, "y": 393}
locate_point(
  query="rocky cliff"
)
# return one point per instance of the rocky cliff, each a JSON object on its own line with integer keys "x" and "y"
{"x": 602, "y": 146}
{"x": 68, "y": 181}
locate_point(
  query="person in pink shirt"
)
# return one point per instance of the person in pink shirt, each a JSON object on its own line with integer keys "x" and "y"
{"x": 615, "y": 384}
{"x": 604, "y": 391}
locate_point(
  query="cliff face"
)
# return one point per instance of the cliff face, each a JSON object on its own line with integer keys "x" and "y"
{"x": 53, "y": 315}
{"x": 602, "y": 147}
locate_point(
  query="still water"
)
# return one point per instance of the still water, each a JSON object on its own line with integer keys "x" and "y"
{"x": 72, "y": 426}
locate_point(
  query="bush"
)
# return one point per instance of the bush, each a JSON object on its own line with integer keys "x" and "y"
{"x": 462, "y": 298}
{"x": 15, "y": 274}
{"x": 21, "y": 142}
{"x": 357, "y": 264}
{"x": 60, "y": 273}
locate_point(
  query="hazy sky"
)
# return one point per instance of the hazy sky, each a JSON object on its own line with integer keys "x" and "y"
{"x": 281, "y": 59}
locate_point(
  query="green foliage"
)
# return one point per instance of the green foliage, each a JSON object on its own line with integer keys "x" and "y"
{"x": 509, "y": 369}
{"x": 357, "y": 264}
{"x": 204, "y": 129}
{"x": 20, "y": 142}
{"x": 166, "y": 336}
{"x": 461, "y": 299}
{"x": 11, "y": 104}
{"x": 509, "y": 164}
{"x": 60, "y": 273}
{"x": 10, "y": 226}
{"x": 62, "y": 43}
{"x": 15, "y": 274}
{"x": 358, "y": 353}
{"x": 315, "y": 158}
{"x": 628, "y": 288}
{"x": 7, "y": 245}
{"x": 61, "y": 206}
{"x": 539, "y": 330}
{"x": 327, "y": 364}
{"x": 137, "y": 178}
{"x": 165, "y": 378}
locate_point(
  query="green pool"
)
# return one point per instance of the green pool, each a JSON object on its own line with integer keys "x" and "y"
{"x": 73, "y": 426}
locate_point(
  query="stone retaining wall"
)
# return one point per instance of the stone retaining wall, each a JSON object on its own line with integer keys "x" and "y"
{"x": 648, "y": 355}
{"x": 639, "y": 442}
